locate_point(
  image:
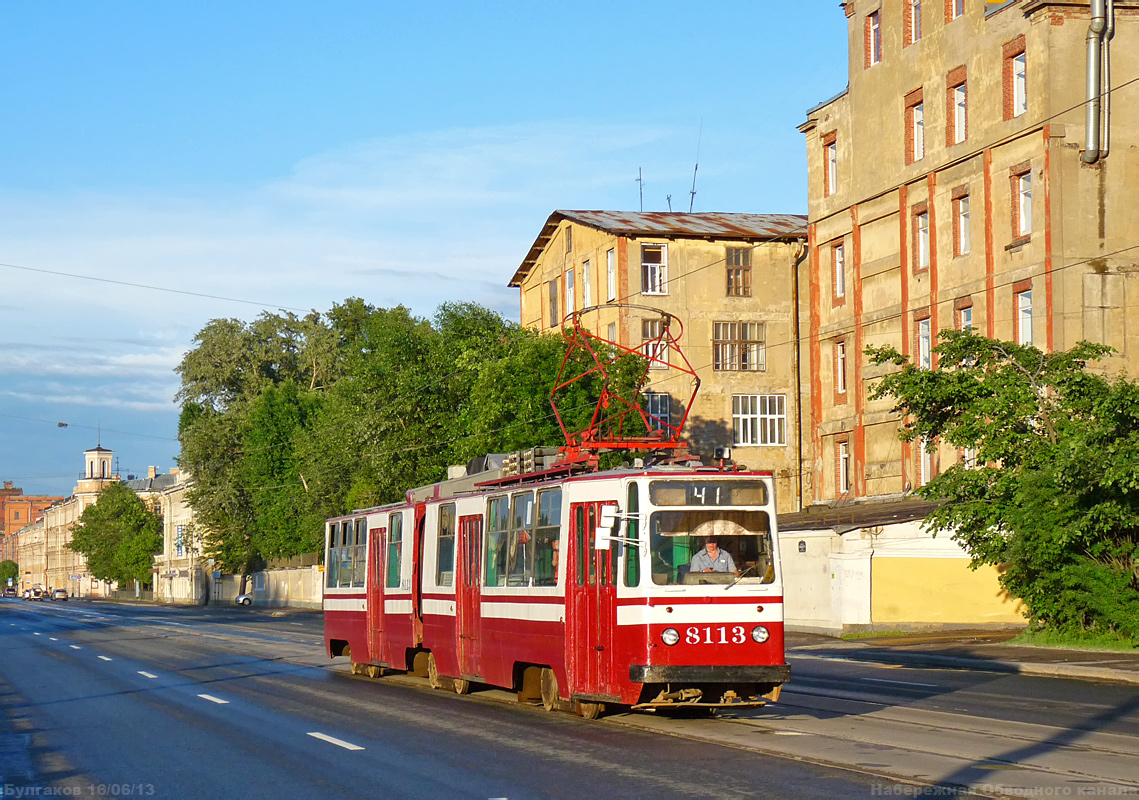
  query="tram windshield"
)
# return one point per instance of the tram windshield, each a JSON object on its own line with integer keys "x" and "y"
{"x": 694, "y": 547}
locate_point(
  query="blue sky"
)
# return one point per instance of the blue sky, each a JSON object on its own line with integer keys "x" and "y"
{"x": 294, "y": 154}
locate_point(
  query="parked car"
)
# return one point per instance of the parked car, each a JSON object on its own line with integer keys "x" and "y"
{"x": 59, "y": 594}
{"x": 11, "y": 592}
{"x": 27, "y": 594}
{"x": 243, "y": 600}
{"x": 39, "y": 594}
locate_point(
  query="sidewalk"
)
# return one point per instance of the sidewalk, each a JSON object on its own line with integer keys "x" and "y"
{"x": 977, "y": 650}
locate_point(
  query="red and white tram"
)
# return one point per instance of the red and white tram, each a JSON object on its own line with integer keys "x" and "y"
{"x": 575, "y": 590}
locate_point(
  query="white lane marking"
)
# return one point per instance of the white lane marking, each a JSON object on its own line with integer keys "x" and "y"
{"x": 333, "y": 740}
{"x": 76, "y": 647}
{"x": 213, "y": 699}
{"x": 52, "y": 639}
{"x": 902, "y": 683}
{"x": 791, "y": 733}
{"x": 104, "y": 658}
{"x": 36, "y": 633}
{"x": 146, "y": 674}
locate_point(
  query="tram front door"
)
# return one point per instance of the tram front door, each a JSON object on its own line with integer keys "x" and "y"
{"x": 592, "y": 607}
{"x": 376, "y": 594}
{"x": 469, "y": 609}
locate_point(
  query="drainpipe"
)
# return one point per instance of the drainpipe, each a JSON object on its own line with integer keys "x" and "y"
{"x": 800, "y": 257}
{"x": 1107, "y": 37}
{"x": 1094, "y": 88}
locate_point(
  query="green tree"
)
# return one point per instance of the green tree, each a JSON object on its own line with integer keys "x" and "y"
{"x": 9, "y": 570}
{"x": 119, "y": 536}
{"x": 1054, "y": 496}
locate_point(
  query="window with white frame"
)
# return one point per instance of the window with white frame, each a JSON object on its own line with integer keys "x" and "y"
{"x": 759, "y": 419}
{"x": 838, "y": 257}
{"x": 831, "y": 155}
{"x": 962, "y": 240}
{"x": 843, "y": 467}
{"x": 654, "y": 269}
{"x": 925, "y": 348}
{"x": 652, "y": 343}
{"x": 739, "y": 346}
{"x": 586, "y": 284}
{"x": 969, "y": 457}
{"x": 179, "y": 540}
{"x": 613, "y": 332}
{"x": 1024, "y": 204}
{"x": 569, "y": 292}
{"x": 611, "y": 274}
{"x": 1019, "y": 85}
{"x": 1024, "y": 317}
{"x": 840, "y": 367}
{"x": 917, "y": 130}
{"x": 657, "y": 406}
{"x": 959, "y": 113}
{"x": 956, "y": 9}
{"x": 915, "y": 20}
{"x": 922, "y": 224}
{"x": 873, "y": 38}
{"x": 925, "y": 462}
{"x": 965, "y": 318}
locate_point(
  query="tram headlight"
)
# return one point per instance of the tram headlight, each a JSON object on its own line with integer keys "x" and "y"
{"x": 759, "y": 633}
{"x": 670, "y": 636}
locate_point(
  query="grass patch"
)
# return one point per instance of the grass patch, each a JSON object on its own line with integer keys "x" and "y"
{"x": 874, "y": 635}
{"x": 1082, "y": 640}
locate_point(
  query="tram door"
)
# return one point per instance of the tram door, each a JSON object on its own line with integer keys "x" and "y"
{"x": 376, "y": 572}
{"x": 470, "y": 595}
{"x": 417, "y": 573}
{"x": 592, "y": 608}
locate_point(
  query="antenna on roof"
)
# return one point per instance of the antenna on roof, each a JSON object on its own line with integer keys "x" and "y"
{"x": 692, "y": 194}
{"x": 641, "y": 185}
{"x": 669, "y": 199}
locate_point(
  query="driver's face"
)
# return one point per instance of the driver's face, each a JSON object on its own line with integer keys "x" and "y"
{"x": 712, "y": 548}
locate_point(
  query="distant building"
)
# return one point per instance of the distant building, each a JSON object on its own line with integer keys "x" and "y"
{"x": 729, "y": 278}
{"x": 18, "y": 509}
{"x": 179, "y": 570}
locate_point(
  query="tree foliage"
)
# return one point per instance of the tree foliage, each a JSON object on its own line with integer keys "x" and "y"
{"x": 119, "y": 536}
{"x": 287, "y": 421}
{"x": 1053, "y": 499}
{"x": 9, "y": 569}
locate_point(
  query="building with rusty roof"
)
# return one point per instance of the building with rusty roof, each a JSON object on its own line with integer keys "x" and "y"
{"x": 731, "y": 281}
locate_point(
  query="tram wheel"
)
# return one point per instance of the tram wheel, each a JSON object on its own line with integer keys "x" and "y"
{"x": 550, "y": 698}
{"x": 461, "y": 686}
{"x": 374, "y": 671}
{"x": 433, "y": 672}
{"x": 357, "y": 668}
{"x": 590, "y": 710}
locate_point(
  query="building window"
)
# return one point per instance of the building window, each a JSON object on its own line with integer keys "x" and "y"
{"x": 445, "y": 552}
{"x": 1015, "y": 78}
{"x": 569, "y": 240}
{"x": 969, "y": 457}
{"x": 16, "y": 516}
{"x": 654, "y": 269}
{"x": 954, "y": 9}
{"x": 1022, "y": 202}
{"x": 179, "y": 540}
{"x": 613, "y": 332}
{"x": 739, "y": 271}
{"x": 840, "y": 367}
{"x": 843, "y": 458}
{"x": 873, "y": 38}
{"x": 739, "y": 346}
{"x": 657, "y": 406}
{"x": 964, "y": 315}
{"x": 915, "y": 127}
{"x": 569, "y": 292}
{"x": 830, "y": 164}
{"x": 925, "y": 344}
{"x": 921, "y": 237}
{"x": 925, "y": 462}
{"x": 913, "y": 21}
{"x": 555, "y": 315}
{"x": 957, "y": 106}
{"x": 653, "y": 345}
{"x": 838, "y": 259}
{"x": 1024, "y": 315}
{"x": 759, "y": 419}
{"x": 611, "y": 274}
{"x": 586, "y": 284}
{"x": 961, "y": 224}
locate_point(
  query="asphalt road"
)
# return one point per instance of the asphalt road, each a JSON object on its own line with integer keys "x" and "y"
{"x": 104, "y": 700}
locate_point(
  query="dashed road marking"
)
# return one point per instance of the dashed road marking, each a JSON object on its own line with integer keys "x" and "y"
{"x": 333, "y": 740}
{"x": 791, "y": 733}
{"x": 104, "y": 658}
{"x": 902, "y": 683}
{"x": 146, "y": 674}
{"x": 76, "y": 647}
{"x": 213, "y": 699}
{"x": 52, "y": 639}
{"x": 36, "y": 633}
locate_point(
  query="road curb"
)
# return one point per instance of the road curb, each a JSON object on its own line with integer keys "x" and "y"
{"x": 1048, "y": 670}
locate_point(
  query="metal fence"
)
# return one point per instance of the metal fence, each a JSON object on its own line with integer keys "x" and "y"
{"x": 131, "y": 594}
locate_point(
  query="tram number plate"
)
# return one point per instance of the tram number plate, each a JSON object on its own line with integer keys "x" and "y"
{"x": 715, "y": 634}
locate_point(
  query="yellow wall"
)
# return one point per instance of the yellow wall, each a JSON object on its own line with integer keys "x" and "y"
{"x": 941, "y": 590}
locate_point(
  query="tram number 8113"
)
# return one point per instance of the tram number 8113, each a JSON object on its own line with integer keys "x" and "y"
{"x": 723, "y": 634}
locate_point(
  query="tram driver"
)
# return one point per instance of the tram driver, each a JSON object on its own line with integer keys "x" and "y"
{"x": 712, "y": 559}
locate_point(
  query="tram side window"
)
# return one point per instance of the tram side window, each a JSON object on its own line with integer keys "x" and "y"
{"x": 546, "y": 537}
{"x": 360, "y": 560}
{"x": 395, "y": 550}
{"x": 633, "y": 534}
{"x": 347, "y": 550}
{"x": 497, "y": 529}
{"x": 520, "y": 553}
{"x": 579, "y": 548}
{"x": 332, "y": 560}
{"x": 445, "y": 555}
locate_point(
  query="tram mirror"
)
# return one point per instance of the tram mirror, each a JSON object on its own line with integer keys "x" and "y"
{"x": 604, "y": 529}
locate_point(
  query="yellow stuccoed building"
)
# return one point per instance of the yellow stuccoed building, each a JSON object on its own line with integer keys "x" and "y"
{"x": 731, "y": 281}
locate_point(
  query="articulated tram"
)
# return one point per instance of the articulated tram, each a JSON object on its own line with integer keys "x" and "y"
{"x": 575, "y": 590}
